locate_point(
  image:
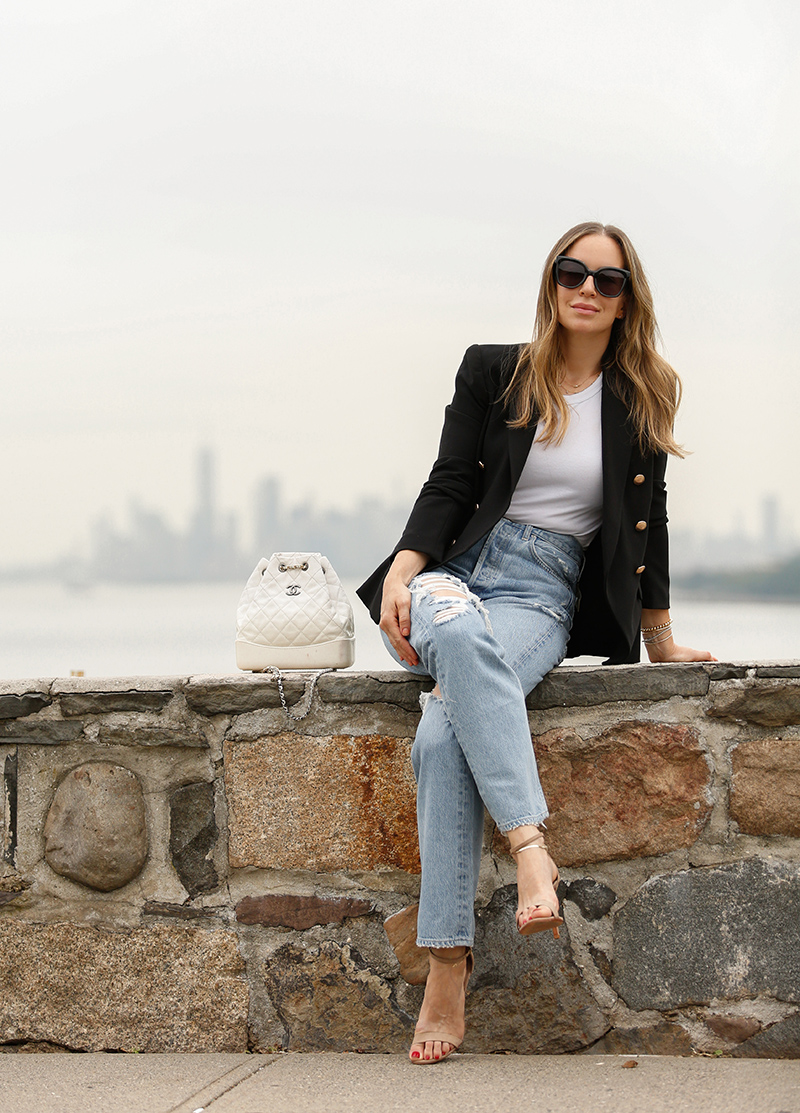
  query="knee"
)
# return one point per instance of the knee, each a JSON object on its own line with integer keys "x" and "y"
{"x": 449, "y": 601}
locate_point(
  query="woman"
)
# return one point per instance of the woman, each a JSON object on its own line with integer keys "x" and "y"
{"x": 548, "y": 488}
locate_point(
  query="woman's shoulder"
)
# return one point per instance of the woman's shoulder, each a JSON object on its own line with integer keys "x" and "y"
{"x": 495, "y": 362}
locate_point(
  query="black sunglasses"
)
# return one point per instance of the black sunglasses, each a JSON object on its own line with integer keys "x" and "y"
{"x": 572, "y": 273}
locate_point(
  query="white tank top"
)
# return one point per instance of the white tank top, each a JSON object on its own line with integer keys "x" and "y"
{"x": 561, "y": 485}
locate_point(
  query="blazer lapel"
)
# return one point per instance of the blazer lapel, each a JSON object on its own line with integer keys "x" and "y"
{"x": 616, "y": 457}
{"x": 519, "y": 445}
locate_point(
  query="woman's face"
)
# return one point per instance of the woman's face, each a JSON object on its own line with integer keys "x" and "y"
{"x": 583, "y": 310}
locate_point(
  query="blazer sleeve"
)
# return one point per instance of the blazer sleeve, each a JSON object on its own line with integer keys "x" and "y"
{"x": 447, "y": 499}
{"x": 655, "y": 578}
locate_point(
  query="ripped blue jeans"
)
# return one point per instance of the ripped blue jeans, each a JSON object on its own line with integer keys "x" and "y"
{"x": 487, "y": 626}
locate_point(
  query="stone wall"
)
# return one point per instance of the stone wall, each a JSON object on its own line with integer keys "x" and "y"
{"x": 184, "y": 869}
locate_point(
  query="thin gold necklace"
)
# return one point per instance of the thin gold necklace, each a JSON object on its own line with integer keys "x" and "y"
{"x": 573, "y": 389}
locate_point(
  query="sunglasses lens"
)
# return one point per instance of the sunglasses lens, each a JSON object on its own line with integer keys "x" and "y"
{"x": 570, "y": 273}
{"x": 609, "y": 283}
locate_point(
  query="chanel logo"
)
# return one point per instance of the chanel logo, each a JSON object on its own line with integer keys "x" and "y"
{"x": 293, "y": 589}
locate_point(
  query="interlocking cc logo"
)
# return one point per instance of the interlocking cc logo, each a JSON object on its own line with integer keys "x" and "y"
{"x": 293, "y": 589}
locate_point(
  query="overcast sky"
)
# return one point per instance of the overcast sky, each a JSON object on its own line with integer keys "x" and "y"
{"x": 273, "y": 229}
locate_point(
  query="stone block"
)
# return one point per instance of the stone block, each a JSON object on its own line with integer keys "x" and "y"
{"x": 192, "y": 836}
{"x": 661, "y": 1038}
{"x": 779, "y": 1041}
{"x": 775, "y": 704}
{"x": 586, "y": 687}
{"x": 96, "y": 830}
{"x": 722, "y": 932}
{"x": 775, "y": 671}
{"x": 636, "y": 790}
{"x": 136, "y": 735}
{"x": 40, "y": 732}
{"x": 298, "y": 912}
{"x": 727, "y": 672}
{"x": 398, "y": 688}
{"x": 329, "y": 1000}
{"x": 401, "y": 931}
{"x": 765, "y": 793}
{"x": 102, "y": 703}
{"x": 341, "y": 802}
{"x": 735, "y": 1029}
{"x": 157, "y": 988}
{"x": 527, "y": 994}
{"x": 594, "y": 899}
{"x": 232, "y": 695}
{"x": 16, "y": 706}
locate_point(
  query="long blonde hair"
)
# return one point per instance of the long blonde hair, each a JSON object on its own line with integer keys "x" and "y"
{"x": 634, "y": 369}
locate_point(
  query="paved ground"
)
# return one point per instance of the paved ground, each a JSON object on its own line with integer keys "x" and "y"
{"x": 294, "y": 1083}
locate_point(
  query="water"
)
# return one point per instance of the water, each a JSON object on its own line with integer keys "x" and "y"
{"x": 48, "y": 629}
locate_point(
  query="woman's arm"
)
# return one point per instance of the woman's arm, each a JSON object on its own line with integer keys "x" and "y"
{"x": 396, "y": 604}
{"x": 657, "y": 635}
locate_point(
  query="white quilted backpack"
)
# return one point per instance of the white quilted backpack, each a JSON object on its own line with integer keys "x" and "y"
{"x": 294, "y": 614}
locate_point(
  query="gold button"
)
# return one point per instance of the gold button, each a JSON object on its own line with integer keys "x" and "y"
{"x": 638, "y": 479}
{"x": 639, "y": 570}
{"x": 641, "y": 525}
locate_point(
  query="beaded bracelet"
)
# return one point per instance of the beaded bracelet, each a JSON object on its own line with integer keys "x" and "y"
{"x": 653, "y": 629}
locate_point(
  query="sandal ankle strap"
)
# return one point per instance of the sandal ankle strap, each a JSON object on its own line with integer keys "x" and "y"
{"x": 449, "y": 961}
{"x": 536, "y": 842}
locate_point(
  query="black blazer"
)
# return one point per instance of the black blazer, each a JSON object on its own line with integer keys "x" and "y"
{"x": 470, "y": 487}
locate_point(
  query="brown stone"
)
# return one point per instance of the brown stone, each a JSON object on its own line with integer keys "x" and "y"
{"x": 663, "y": 1038}
{"x": 769, "y": 704}
{"x": 734, "y": 1028}
{"x": 765, "y": 794}
{"x": 158, "y": 988}
{"x": 324, "y": 804}
{"x": 328, "y": 1000}
{"x": 401, "y": 930}
{"x": 299, "y": 912}
{"x": 636, "y": 790}
{"x": 96, "y": 831}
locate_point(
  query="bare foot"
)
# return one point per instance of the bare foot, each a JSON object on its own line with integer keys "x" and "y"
{"x": 443, "y": 1006}
{"x": 535, "y": 873}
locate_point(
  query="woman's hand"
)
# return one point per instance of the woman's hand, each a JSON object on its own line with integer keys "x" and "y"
{"x": 659, "y": 644}
{"x": 396, "y": 602}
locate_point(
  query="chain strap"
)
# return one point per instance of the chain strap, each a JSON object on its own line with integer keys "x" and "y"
{"x": 308, "y": 695}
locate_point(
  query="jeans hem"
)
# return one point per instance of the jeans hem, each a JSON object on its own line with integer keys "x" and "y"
{"x": 445, "y": 942}
{"x": 535, "y": 821}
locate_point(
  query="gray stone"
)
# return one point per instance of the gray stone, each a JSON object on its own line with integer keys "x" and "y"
{"x": 41, "y": 732}
{"x": 161, "y": 987}
{"x": 100, "y": 703}
{"x": 397, "y": 688}
{"x": 136, "y": 735}
{"x": 662, "y": 1038}
{"x": 586, "y": 687}
{"x": 14, "y": 707}
{"x": 594, "y": 899}
{"x": 792, "y": 671}
{"x": 780, "y": 1041}
{"x": 96, "y": 832}
{"x": 328, "y": 1000}
{"x": 527, "y": 993}
{"x": 727, "y": 672}
{"x": 717, "y": 932}
{"x": 192, "y": 836}
{"x": 768, "y": 705}
{"x": 299, "y": 912}
{"x": 234, "y": 695}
